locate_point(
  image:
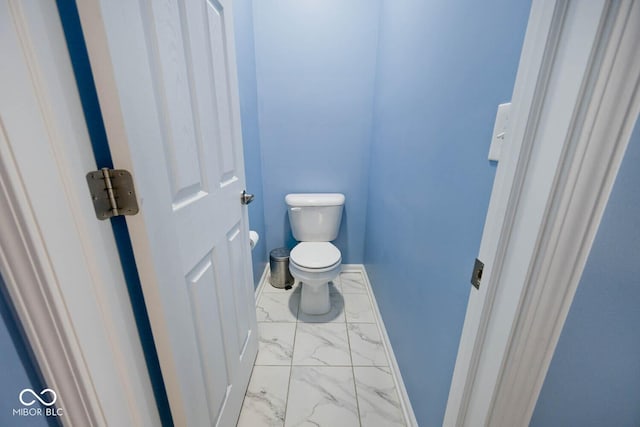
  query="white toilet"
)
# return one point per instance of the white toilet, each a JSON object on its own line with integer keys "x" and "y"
{"x": 315, "y": 221}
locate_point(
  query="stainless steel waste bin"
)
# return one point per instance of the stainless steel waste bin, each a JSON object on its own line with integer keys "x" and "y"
{"x": 279, "y": 264}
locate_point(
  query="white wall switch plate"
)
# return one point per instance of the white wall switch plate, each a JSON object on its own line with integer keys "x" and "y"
{"x": 499, "y": 131}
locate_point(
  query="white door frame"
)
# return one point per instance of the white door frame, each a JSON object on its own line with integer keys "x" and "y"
{"x": 576, "y": 99}
{"x": 60, "y": 264}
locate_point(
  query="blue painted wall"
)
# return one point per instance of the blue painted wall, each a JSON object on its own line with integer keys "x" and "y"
{"x": 443, "y": 68}
{"x": 315, "y": 63}
{"x": 245, "y": 54}
{"x": 594, "y": 377}
{"x": 17, "y": 371}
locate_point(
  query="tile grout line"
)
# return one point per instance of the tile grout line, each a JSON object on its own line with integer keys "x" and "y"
{"x": 253, "y": 368}
{"x": 392, "y": 364}
{"x": 245, "y": 395}
{"x": 363, "y": 282}
{"x": 286, "y": 402}
{"x": 353, "y": 371}
{"x": 257, "y": 297}
{"x": 377, "y": 325}
{"x": 293, "y": 349}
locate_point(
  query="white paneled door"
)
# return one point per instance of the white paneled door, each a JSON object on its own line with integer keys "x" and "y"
{"x": 167, "y": 84}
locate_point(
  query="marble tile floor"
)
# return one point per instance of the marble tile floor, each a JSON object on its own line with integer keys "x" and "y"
{"x": 328, "y": 370}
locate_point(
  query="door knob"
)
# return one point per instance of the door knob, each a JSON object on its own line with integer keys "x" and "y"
{"x": 246, "y": 198}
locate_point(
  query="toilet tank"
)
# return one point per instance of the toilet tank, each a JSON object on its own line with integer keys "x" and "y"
{"x": 315, "y": 217}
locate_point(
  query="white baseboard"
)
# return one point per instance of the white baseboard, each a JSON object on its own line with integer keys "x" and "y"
{"x": 263, "y": 279}
{"x": 407, "y": 409}
{"x": 405, "y": 403}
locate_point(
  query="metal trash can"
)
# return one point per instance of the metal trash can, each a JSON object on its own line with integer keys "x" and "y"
{"x": 279, "y": 264}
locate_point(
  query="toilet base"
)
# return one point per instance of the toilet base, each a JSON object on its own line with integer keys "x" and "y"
{"x": 315, "y": 288}
{"x": 315, "y": 299}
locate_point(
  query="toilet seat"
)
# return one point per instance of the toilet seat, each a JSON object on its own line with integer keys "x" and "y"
{"x": 315, "y": 256}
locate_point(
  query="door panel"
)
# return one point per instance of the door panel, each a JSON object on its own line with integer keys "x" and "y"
{"x": 168, "y": 76}
{"x": 182, "y": 143}
{"x": 234, "y": 250}
{"x": 216, "y": 21}
{"x": 201, "y": 282}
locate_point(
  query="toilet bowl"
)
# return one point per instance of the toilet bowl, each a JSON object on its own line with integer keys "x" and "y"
{"x": 315, "y": 264}
{"x": 315, "y": 220}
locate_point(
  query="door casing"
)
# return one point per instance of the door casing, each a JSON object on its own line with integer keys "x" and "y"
{"x": 59, "y": 263}
{"x": 576, "y": 99}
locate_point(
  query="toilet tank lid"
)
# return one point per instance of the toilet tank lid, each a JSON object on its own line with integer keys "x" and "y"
{"x": 314, "y": 199}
